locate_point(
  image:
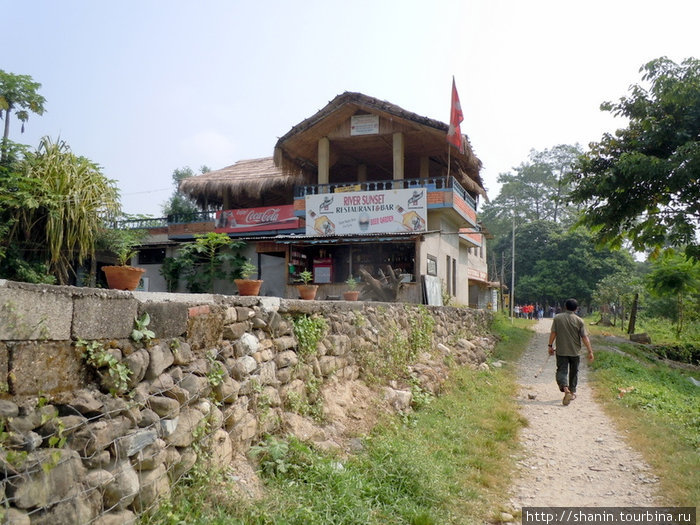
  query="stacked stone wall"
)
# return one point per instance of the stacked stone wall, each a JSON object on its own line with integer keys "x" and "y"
{"x": 77, "y": 445}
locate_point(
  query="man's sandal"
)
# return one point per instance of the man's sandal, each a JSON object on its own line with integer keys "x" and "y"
{"x": 568, "y": 396}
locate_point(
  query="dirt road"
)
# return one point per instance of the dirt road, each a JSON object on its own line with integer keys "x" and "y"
{"x": 573, "y": 455}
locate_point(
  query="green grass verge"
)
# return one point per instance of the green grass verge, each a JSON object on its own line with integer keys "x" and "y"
{"x": 448, "y": 463}
{"x": 660, "y": 414}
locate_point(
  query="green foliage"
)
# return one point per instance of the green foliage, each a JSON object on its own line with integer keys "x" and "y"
{"x": 553, "y": 264}
{"x": 170, "y": 270}
{"x": 217, "y": 373}
{"x": 122, "y": 242}
{"x": 537, "y": 190}
{"x": 210, "y": 256}
{"x": 352, "y": 283}
{"x": 664, "y": 393}
{"x": 100, "y": 358}
{"x": 676, "y": 276}
{"x": 306, "y": 277}
{"x": 641, "y": 183}
{"x": 140, "y": 331}
{"x": 179, "y": 204}
{"x": 18, "y": 94}
{"x": 389, "y": 360}
{"x": 246, "y": 269}
{"x": 422, "y": 326}
{"x": 308, "y": 330}
{"x": 615, "y": 293}
{"x": 54, "y": 207}
{"x": 450, "y": 466}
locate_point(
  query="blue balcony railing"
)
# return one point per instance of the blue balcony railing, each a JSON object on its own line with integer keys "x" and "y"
{"x": 430, "y": 183}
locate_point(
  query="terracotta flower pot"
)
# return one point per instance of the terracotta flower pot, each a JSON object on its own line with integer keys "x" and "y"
{"x": 248, "y": 286}
{"x": 351, "y": 295}
{"x": 123, "y": 277}
{"x": 307, "y": 291}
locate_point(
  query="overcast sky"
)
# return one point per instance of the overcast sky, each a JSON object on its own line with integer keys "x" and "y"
{"x": 143, "y": 87}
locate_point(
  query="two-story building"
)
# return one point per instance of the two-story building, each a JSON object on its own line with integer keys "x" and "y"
{"x": 361, "y": 184}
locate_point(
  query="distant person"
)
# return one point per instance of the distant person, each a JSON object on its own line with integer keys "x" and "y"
{"x": 568, "y": 330}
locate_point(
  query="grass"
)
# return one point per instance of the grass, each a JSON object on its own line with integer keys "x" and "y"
{"x": 448, "y": 463}
{"x": 660, "y": 416}
{"x": 661, "y": 331}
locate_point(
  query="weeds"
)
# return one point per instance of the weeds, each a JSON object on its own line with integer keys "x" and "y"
{"x": 659, "y": 407}
{"x": 449, "y": 463}
{"x": 308, "y": 331}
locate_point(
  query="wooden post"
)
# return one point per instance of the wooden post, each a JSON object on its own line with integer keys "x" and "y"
{"x": 424, "y": 167}
{"x": 362, "y": 173}
{"x": 398, "y": 152}
{"x": 324, "y": 160}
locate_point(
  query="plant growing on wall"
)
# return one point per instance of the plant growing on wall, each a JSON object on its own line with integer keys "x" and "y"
{"x": 309, "y": 331}
{"x": 112, "y": 372}
{"x": 140, "y": 331}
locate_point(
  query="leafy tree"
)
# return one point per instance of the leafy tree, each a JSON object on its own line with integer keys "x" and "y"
{"x": 18, "y": 94}
{"x": 180, "y": 204}
{"x": 642, "y": 182}
{"x": 675, "y": 276}
{"x": 57, "y": 202}
{"x": 615, "y": 295}
{"x": 536, "y": 190}
{"x": 553, "y": 264}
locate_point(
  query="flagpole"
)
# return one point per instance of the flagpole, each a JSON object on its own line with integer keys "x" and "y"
{"x": 449, "y": 153}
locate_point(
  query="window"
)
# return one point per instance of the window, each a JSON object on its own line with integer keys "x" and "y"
{"x": 152, "y": 256}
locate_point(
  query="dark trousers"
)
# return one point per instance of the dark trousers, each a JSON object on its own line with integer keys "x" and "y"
{"x": 567, "y": 372}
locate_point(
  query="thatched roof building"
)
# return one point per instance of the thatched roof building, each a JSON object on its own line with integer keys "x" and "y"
{"x": 245, "y": 184}
{"x": 262, "y": 182}
{"x": 424, "y": 137}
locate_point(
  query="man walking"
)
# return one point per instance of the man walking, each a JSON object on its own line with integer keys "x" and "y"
{"x": 568, "y": 330}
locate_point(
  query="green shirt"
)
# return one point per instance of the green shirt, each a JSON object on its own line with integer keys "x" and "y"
{"x": 569, "y": 329}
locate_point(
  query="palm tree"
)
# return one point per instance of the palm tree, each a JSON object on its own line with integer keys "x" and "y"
{"x": 72, "y": 202}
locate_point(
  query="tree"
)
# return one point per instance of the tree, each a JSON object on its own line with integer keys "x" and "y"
{"x": 553, "y": 264}
{"x": 676, "y": 276}
{"x": 18, "y": 94}
{"x": 641, "y": 184}
{"x": 180, "y": 204}
{"x": 615, "y": 294}
{"x": 537, "y": 190}
{"x": 65, "y": 199}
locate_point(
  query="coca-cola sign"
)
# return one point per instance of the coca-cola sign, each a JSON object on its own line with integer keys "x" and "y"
{"x": 257, "y": 219}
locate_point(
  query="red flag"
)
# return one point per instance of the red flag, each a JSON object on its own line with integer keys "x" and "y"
{"x": 454, "y": 134}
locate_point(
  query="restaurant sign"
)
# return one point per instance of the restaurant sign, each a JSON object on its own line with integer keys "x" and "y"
{"x": 256, "y": 219}
{"x": 361, "y": 212}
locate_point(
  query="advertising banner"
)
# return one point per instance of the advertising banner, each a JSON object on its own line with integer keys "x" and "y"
{"x": 256, "y": 219}
{"x": 362, "y": 212}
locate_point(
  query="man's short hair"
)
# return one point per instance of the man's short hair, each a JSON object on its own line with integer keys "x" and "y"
{"x": 571, "y": 305}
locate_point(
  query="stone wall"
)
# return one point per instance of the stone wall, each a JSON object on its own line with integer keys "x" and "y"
{"x": 99, "y": 441}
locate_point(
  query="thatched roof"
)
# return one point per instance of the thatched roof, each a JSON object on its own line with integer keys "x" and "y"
{"x": 247, "y": 183}
{"x": 297, "y": 149}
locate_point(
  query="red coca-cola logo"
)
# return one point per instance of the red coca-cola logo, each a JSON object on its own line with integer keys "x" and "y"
{"x": 268, "y": 215}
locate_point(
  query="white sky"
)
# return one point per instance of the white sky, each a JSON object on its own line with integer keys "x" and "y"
{"x": 143, "y": 87}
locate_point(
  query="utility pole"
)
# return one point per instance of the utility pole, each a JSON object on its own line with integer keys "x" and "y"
{"x": 512, "y": 273}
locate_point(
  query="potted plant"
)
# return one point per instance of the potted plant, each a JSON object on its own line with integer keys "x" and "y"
{"x": 306, "y": 289}
{"x": 352, "y": 293}
{"x": 245, "y": 285}
{"x": 124, "y": 244}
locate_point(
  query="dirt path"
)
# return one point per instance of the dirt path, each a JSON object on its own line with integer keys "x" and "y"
{"x": 573, "y": 456}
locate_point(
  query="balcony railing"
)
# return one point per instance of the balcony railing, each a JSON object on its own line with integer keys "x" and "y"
{"x": 200, "y": 216}
{"x": 430, "y": 183}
